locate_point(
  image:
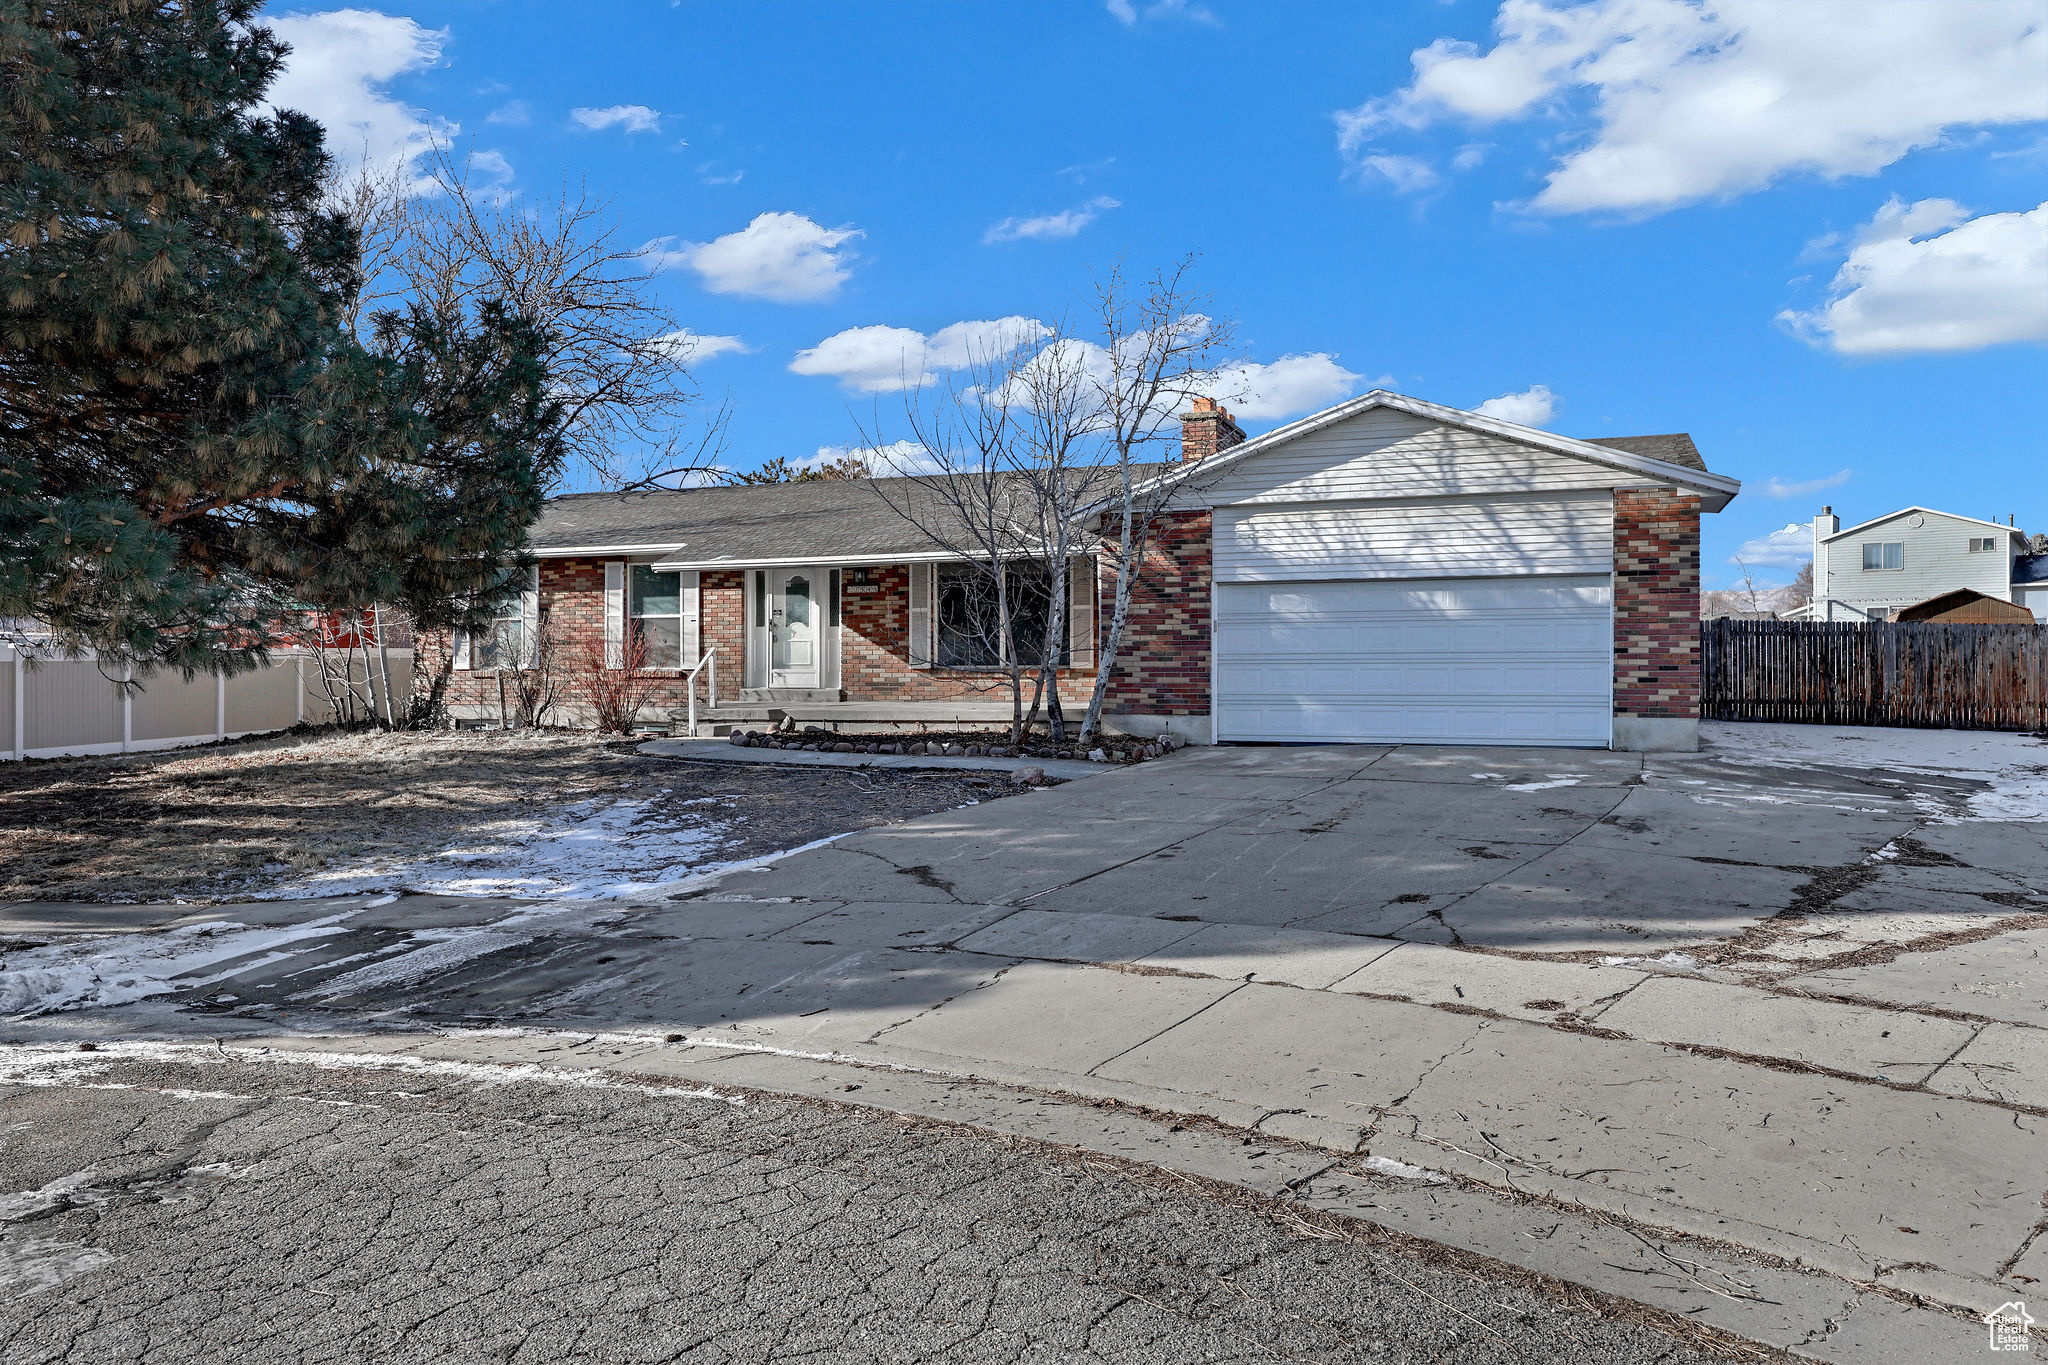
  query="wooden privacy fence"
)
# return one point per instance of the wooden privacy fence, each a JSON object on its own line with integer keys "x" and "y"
{"x": 1966, "y": 677}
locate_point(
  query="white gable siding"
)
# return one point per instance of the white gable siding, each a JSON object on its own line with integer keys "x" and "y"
{"x": 1938, "y": 559}
{"x": 1385, "y": 454}
{"x": 1416, "y": 538}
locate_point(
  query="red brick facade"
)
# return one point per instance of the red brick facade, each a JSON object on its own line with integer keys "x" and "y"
{"x": 1656, "y": 603}
{"x": 1162, "y": 668}
{"x": 874, "y": 640}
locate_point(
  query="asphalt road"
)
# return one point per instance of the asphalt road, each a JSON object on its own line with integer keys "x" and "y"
{"x": 176, "y": 1211}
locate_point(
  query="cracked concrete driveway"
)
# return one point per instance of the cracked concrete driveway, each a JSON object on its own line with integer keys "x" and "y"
{"x": 1790, "y": 1012}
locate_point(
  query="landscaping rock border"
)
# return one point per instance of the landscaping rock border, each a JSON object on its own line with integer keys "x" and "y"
{"x": 1113, "y": 749}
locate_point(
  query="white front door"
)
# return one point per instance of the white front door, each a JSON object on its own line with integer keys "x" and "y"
{"x": 793, "y": 628}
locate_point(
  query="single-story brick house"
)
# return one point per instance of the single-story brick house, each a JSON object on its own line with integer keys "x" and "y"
{"x": 1386, "y": 570}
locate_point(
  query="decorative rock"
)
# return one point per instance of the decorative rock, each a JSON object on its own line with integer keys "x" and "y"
{"x": 842, "y": 747}
{"x": 1097, "y": 756}
{"x": 1029, "y": 777}
{"x": 738, "y": 737}
{"x": 954, "y": 751}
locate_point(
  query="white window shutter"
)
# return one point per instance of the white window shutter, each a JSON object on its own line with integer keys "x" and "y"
{"x": 1081, "y": 591}
{"x": 615, "y": 613}
{"x": 462, "y": 649}
{"x": 921, "y": 615}
{"x": 693, "y": 618}
{"x": 529, "y": 618}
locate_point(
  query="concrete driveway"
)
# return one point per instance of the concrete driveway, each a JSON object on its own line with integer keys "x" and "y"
{"x": 1790, "y": 1009}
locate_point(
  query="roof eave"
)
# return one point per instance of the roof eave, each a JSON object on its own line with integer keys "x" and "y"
{"x": 2013, "y": 532}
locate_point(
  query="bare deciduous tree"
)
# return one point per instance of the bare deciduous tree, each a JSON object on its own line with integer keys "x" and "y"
{"x": 1161, "y": 347}
{"x": 615, "y": 355}
{"x": 1050, "y": 447}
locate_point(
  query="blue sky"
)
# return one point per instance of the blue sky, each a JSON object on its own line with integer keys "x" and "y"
{"x": 1813, "y": 235}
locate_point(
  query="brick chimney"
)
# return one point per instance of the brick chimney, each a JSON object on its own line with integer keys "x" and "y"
{"x": 1208, "y": 430}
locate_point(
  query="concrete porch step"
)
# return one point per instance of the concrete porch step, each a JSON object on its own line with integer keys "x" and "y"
{"x": 780, "y": 696}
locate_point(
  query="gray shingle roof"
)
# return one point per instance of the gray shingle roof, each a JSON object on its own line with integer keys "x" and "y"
{"x": 1672, "y": 448}
{"x": 828, "y": 518}
{"x": 775, "y": 523}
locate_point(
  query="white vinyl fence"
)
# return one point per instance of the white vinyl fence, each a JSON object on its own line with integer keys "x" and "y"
{"x": 55, "y": 707}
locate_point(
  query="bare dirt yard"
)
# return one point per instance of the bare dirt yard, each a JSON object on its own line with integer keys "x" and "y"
{"x": 476, "y": 812}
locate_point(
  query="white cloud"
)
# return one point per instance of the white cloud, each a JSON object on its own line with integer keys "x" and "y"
{"x": 1532, "y": 407}
{"x": 1786, "y": 548}
{"x": 1407, "y": 174}
{"x": 1691, "y": 100}
{"x": 881, "y": 359}
{"x": 512, "y": 113}
{"x": 1470, "y": 155}
{"x": 1288, "y": 387}
{"x": 340, "y": 62}
{"x": 1127, "y": 13}
{"x": 1928, "y": 277}
{"x": 780, "y": 256}
{"x": 1775, "y": 487}
{"x": 1050, "y": 226}
{"x": 630, "y": 118}
{"x": 696, "y": 346}
{"x": 897, "y": 457}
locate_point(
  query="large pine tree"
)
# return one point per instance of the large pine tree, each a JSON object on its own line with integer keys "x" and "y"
{"x": 190, "y": 442}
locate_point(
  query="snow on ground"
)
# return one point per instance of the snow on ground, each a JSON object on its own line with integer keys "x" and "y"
{"x": 117, "y": 969}
{"x": 2014, "y": 766}
{"x": 591, "y": 850}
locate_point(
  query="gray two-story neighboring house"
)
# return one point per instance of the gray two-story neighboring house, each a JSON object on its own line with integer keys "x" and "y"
{"x": 1870, "y": 570}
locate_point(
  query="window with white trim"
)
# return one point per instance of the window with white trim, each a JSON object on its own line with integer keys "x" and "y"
{"x": 1888, "y": 554}
{"x": 509, "y": 642}
{"x": 1979, "y": 544}
{"x": 655, "y": 614}
{"x": 970, "y": 616}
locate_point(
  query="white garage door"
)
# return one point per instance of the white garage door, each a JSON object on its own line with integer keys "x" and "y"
{"x": 1471, "y": 661}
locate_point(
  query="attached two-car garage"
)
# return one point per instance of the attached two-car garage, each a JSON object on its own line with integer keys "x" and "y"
{"x": 1393, "y": 580}
{"x": 1440, "y": 660}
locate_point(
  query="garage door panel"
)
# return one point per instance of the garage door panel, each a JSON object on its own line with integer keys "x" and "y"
{"x": 1513, "y": 661}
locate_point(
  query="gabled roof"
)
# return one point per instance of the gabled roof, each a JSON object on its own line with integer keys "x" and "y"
{"x": 1927, "y": 511}
{"x": 1675, "y": 459}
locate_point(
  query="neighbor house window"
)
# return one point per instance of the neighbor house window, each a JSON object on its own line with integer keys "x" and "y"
{"x": 657, "y": 612}
{"x": 1979, "y": 544}
{"x": 970, "y": 616}
{"x": 1890, "y": 554}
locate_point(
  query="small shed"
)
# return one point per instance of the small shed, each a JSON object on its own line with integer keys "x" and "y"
{"x": 1966, "y": 606}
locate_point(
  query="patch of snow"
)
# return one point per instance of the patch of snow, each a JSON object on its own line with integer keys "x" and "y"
{"x": 55, "y": 1195}
{"x": 2013, "y": 767}
{"x": 1555, "y": 781}
{"x": 47, "y": 1065}
{"x": 1489, "y": 775}
{"x": 589, "y": 851}
{"x": 1386, "y": 1165}
{"x": 1681, "y": 962}
{"x": 112, "y": 969}
{"x": 30, "y": 1265}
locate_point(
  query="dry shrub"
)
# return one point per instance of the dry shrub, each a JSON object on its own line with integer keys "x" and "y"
{"x": 616, "y": 696}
